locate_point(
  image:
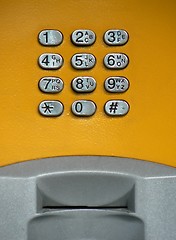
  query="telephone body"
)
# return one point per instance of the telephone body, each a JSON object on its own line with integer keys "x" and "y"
{"x": 107, "y": 68}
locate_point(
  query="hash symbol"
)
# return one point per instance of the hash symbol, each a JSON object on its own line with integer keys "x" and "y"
{"x": 113, "y": 107}
{"x": 47, "y": 108}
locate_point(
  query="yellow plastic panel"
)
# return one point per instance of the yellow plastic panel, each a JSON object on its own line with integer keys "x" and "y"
{"x": 147, "y": 132}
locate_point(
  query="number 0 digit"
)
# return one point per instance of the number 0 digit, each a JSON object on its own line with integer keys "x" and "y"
{"x": 78, "y": 107}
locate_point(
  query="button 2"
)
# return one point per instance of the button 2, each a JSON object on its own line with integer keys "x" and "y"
{"x": 83, "y": 108}
{"x": 51, "y": 108}
{"x": 83, "y": 37}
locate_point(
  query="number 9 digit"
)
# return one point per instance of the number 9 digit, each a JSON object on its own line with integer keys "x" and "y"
{"x": 111, "y": 83}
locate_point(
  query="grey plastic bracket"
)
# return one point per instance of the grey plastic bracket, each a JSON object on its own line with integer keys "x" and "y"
{"x": 86, "y": 197}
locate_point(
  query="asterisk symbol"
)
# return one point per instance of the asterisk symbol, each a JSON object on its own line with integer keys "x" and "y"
{"x": 47, "y": 108}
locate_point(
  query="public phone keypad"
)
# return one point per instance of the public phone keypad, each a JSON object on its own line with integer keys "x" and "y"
{"x": 83, "y": 61}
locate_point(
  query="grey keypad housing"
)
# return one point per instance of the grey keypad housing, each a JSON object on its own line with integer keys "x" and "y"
{"x": 82, "y": 197}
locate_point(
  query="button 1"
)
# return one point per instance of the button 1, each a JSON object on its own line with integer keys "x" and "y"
{"x": 83, "y": 37}
{"x": 116, "y": 84}
{"x": 51, "y": 108}
{"x": 83, "y": 108}
{"x": 116, "y": 37}
{"x": 116, "y": 60}
{"x": 84, "y": 84}
{"x": 50, "y": 61}
{"x": 50, "y": 37}
{"x": 116, "y": 108}
{"x": 51, "y": 84}
{"x": 83, "y": 61}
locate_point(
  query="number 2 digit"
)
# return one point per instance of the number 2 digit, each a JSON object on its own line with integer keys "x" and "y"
{"x": 80, "y": 35}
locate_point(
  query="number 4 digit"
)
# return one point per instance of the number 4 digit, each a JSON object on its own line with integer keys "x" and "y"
{"x": 45, "y": 60}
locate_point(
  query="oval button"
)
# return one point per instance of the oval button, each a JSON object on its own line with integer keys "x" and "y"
{"x": 83, "y": 108}
{"x": 83, "y": 37}
{"x": 116, "y": 108}
{"x": 51, "y": 84}
{"x": 116, "y": 84}
{"x": 50, "y": 61}
{"x": 116, "y": 37}
{"x": 51, "y": 108}
{"x": 84, "y": 84}
{"x": 83, "y": 61}
{"x": 116, "y": 60}
{"x": 50, "y": 37}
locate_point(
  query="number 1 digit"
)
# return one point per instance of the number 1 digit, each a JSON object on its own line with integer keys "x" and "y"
{"x": 46, "y": 34}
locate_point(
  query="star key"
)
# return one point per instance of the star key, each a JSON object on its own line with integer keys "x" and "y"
{"x": 50, "y": 108}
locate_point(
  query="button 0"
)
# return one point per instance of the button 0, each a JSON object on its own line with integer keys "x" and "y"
{"x": 51, "y": 108}
{"x": 51, "y": 84}
{"x": 83, "y": 61}
{"x": 83, "y": 37}
{"x": 116, "y": 60}
{"x": 50, "y": 61}
{"x": 50, "y": 37}
{"x": 116, "y": 37}
{"x": 116, "y": 84}
{"x": 116, "y": 108}
{"x": 83, "y": 108}
{"x": 84, "y": 84}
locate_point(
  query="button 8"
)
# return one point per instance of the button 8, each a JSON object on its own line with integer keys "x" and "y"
{"x": 84, "y": 84}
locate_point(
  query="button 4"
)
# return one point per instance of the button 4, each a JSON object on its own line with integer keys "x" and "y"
{"x": 50, "y": 61}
